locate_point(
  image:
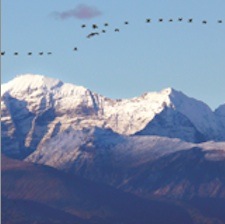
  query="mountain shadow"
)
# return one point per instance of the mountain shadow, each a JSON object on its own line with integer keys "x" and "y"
{"x": 173, "y": 124}
{"x": 185, "y": 174}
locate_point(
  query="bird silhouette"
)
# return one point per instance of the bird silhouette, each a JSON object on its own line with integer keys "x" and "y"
{"x": 106, "y": 24}
{"x": 103, "y": 31}
{"x": 160, "y": 20}
{"x": 148, "y": 20}
{"x": 3, "y": 53}
{"x": 94, "y": 26}
{"x": 16, "y": 53}
{"x": 204, "y": 21}
{"x": 41, "y": 53}
{"x": 92, "y": 34}
{"x": 126, "y": 22}
{"x": 83, "y": 26}
{"x": 117, "y": 30}
{"x": 220, "y": 21}
{"x": 180, "y": 19}
{"x": 49, "y": 53}
{"x": 29, "y": 53}
{"x": 75, "y": 49}
{"x": 190, "y": 20}
{"x": 170, "y": 20}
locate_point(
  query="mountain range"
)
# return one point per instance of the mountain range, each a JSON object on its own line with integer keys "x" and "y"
{"x": 36, "y": 108}
{"x": 160, "y": 146}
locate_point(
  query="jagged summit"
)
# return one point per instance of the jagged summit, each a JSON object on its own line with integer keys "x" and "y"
{"x": 36, "y": 108}
{"x": 29, "y": 82}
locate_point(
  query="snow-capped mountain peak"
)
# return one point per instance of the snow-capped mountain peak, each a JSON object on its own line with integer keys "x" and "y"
{"x": 35, "y": 108}
{"x": 29, "y": 82}
{"x": 198, "y": 112}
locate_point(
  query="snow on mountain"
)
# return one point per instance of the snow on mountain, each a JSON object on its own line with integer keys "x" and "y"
{"x": 28, "y": 83}
{"x": 128, "y": 116}
{"x": 71, "y": 146}
{"x": 62, "y": 150}
{"x": 130, "y": 143}
{"x": 127, "y": 161}
{"x": 36, "y": 108}
{"x": 198, "y": 113}
{"x": 41, "y": 92}
{"x": 185, "y": 118}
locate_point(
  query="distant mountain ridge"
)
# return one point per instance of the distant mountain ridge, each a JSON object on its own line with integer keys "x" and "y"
{"x": 35, "y": 108}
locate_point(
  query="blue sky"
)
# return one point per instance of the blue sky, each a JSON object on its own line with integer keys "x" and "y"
{"x": 142, "y": 57}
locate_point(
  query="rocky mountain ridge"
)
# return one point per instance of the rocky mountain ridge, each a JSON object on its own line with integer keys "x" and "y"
{"x": 36, "y": 108}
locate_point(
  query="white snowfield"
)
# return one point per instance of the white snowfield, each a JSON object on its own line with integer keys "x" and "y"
{"x": 127, "y": 116}
{"x": 37, "y": 110}
{"x": 94, "y": 146}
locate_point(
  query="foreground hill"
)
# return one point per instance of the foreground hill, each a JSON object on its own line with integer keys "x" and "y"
{"x": 39, "y": 194}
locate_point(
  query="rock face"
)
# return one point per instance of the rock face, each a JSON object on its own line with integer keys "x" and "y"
{"x": 36, "y": 108}
{"x": 173, "y": 124}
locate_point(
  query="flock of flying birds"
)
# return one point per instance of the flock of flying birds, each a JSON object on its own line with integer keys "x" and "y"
{"x": 96, "y": 28}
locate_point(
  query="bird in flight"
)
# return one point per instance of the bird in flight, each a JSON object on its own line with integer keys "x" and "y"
{"x": 3, "y": 53}
{"x": 106, "y": 24}
{"x": 92, "y": 34}
{"x": 83, "y": 26}
{"x": 126, "y": 22}
{"x": 170, "y": 20}
{"x": 180, "y": 19}
{"x": 190, "y": 20}
{"x": 219, "y": 21}
{"x": 16, "y": 53}
{"x": 148, "y": 20}
{"x": 204, "y": 21}
{"x": 94, "y": 26}
{"x": 103, "y": 31}
{"x": 41, "y": 53}
{"x": 160, "y": 20}
{"x": 49, "y": 53}
{"x": 117, "y": 30}
{"x": 29, "y": 53}
{"x": 75, "y": 49}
